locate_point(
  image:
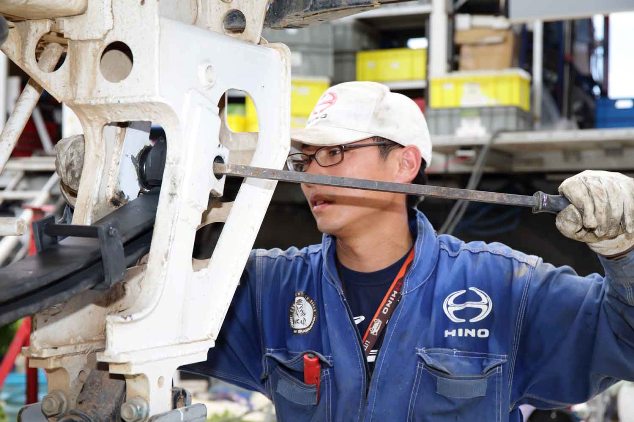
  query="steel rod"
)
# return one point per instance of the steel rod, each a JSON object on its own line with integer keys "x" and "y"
{"x": 26, "y": 103}
{"x": 9, "y": 243}
{"x": 42, "y": 131}
{"x": 35, "y": 164}
{"x": 11, "y": 226}
{"x": 540, "y": 202}
{"x": 18, "y": 195}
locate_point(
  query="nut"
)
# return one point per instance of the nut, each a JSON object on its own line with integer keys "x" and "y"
{"x": 54, "y": 404}
{"x": 134, "y": 410}
{"x": 207, "y": 75}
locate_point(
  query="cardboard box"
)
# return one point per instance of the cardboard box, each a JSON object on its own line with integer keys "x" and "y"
{"x": 481, "y": 36}
{"x": 486, "y": 49}
{"x": 463, "y": 22}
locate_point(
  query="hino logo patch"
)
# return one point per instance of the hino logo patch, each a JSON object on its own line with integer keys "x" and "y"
{"x": 302, "y": 314}
{"x": 451, "y": 307}
{"x": 467, "y": 332}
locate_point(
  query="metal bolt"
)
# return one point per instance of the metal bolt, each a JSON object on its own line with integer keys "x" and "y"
{"x": 54, "y": 404}
{"x": 134, "y": 410}
{"x": 207, "y": 75}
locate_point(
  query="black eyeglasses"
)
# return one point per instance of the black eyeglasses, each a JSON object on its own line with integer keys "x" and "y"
{"x": 325, "y": 156}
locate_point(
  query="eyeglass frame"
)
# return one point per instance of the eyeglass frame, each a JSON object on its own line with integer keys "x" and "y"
{"x": 343, "y": 148}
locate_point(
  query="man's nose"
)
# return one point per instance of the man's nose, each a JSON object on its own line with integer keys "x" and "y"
{"x": 314, "y": 168}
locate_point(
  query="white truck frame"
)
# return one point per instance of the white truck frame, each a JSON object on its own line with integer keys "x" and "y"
{"x": 128, "y": 65}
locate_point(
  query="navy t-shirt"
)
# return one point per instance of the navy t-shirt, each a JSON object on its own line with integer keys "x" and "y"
{"x": 364, "y": 293}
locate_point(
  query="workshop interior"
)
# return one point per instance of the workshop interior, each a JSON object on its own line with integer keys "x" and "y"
{"x": 163, "y": 116}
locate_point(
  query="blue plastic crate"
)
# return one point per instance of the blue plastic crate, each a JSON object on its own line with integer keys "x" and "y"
{"x": 614, "y": 113}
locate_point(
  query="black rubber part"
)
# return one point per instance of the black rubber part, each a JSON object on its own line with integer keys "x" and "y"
{"x": 4, "y": 30}
{"x": 206, "y": 239}
{"x": 68, "y": 286}
{"x": 74, "y": 265}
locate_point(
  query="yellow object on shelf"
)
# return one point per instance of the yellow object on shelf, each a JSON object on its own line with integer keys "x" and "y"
{"x": 395, "y": 64}
{"x": 298, "y": 122}
{"x": 480, "y": 89}
{"x": 251, "y": 117}
{"x": 304, "y": 95}
{"x": 237, "y": 122}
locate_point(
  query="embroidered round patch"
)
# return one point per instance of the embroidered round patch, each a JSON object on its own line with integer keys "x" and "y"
{"x": 302, "y": 314}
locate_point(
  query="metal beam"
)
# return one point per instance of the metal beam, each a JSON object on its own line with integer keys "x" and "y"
{"x": 544, "y": 151}
{"x": 4, "y": 70}
{"x": 438, "y": 39}
{"x": 542, "y": 140}
{"x": 300, "y": 13}
{"x": 538, "y": 70}
{"x": 548, "y": 10}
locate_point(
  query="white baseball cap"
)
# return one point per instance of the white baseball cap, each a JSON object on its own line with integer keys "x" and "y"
{"x": 353, "y": 111}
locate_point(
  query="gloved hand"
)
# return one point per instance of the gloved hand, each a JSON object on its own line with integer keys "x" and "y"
{"x": 601, "y": 211}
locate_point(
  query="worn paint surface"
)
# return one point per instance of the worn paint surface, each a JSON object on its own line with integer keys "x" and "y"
{"x": 179, "y": 89}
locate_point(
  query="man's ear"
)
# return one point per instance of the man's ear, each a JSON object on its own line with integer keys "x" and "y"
{"x": 409, "y": 164}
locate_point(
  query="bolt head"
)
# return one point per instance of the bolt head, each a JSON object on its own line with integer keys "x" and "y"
{"x": 134, "y": 410}
{"x": 128, "y": 412}
{"x": 207, "y": 75}
{"x": 53, "y": 404}
{"x": 50, "y": 406}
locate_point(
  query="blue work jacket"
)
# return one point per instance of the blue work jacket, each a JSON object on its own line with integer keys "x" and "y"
{"x": 480, "y": 329}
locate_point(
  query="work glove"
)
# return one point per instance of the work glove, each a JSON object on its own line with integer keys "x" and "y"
{"x": 601, "y": 211}
{"x": 69, "y": 163}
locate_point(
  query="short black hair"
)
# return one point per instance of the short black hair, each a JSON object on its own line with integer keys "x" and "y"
{"x": 421, "y": 177}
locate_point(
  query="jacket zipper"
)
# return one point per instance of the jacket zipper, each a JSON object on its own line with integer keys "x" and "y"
{"x": 359, "y": 340}
{"x": 379, "y": 356}
{"x": 366, "y": 371}
{"x": 365, "y": 382}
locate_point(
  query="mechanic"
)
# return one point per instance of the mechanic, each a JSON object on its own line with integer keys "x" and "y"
{"x": 385, "y": 320}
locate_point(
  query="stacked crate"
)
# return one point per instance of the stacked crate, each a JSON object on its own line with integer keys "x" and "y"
{"x": 480, "y": 103}
{"x": 304, "y": 95}
{"x": 487, "y": 94}
{"x": 311, "y": 49}
{"x": 236, "y": 117}
{"x": 392, "y": 65}
{"x": 312, "y": 69}
{"x": 614, "y": 113}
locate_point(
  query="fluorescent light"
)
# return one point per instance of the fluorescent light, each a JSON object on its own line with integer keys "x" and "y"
{"x": 417, "y": 43}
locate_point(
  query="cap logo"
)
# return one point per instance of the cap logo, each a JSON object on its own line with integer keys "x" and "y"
{"x": 325, "y": 102}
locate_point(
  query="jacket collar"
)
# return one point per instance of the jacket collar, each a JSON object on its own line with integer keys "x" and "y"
{"x": 425, "y": 253}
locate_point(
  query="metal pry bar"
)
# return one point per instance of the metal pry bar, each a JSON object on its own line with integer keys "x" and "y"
{"x": 539, "y": 202}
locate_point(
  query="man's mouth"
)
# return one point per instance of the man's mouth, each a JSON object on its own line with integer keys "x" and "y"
{"x": 319, "y": 202}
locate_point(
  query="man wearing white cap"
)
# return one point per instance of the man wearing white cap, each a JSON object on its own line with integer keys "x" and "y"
{"x": 387, "y": 321}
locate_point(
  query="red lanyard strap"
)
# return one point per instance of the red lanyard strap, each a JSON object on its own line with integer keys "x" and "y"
{"x": 386, "y": 308}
